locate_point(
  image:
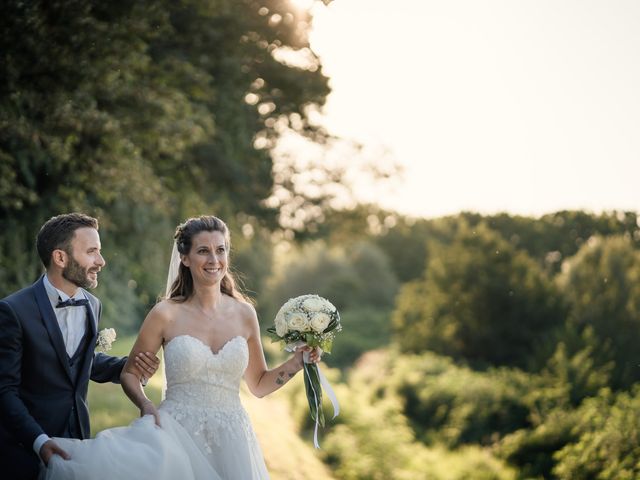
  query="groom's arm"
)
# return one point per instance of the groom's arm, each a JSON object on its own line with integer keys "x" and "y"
{"x": 13, "y": 413}
{"x": 106, "y": 368}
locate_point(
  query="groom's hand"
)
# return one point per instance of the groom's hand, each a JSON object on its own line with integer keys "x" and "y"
{"x": 147, "y": 363}
{"x": 50, "y": 448}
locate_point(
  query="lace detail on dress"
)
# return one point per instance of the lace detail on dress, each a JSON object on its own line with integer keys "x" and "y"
{"x": 203, "y": 389}
{"x": 214, "y": 427}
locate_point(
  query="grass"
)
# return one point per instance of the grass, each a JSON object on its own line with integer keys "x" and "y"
{"x": 287, "y": 455}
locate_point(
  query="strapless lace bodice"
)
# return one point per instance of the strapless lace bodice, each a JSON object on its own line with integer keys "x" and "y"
{"x": 197, "y": 376}
{"x": 203, "y": 388}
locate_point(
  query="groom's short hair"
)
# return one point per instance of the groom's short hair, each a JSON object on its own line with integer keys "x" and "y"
{"x": 57, "y": 233}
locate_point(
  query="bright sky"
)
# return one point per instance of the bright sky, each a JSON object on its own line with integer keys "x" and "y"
{"x": 490, "y": 105}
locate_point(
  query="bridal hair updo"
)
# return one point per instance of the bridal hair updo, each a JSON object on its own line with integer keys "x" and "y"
{"x": 182, "y": 287}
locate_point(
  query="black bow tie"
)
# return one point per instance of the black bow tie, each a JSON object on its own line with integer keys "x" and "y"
{"x": 72, "y": 302}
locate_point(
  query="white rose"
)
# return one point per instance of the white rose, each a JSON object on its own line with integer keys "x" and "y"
{"x": 281, "y": 325}
{"x": 329, "y": 306}
{"x": 288, "y": 305}
{"x": 298, "y": 321}
{"x": 313, "y": 304}
{"x": 320, "y": 321}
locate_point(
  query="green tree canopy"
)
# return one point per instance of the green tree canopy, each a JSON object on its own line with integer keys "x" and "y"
{"x": 144, "y": 113}
{"x": 480, "y": 300}
{"x": 608, "y": 443}
{"x": 602, "y": 285}
{"x": 557, "y": 236}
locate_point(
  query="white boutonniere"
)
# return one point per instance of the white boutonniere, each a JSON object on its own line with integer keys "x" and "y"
{"x": 105, "y": 338}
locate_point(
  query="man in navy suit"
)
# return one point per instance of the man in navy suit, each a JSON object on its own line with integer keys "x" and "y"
{"x": 48, "y": 334}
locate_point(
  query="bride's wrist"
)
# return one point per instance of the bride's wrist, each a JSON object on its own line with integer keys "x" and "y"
{"x": 298, "y": 363}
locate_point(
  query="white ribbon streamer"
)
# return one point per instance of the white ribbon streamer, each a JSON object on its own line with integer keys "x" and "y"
{"x": 324, "y": 383}
{"x": 334, "y": 403}
{"x": 330, "y": 393}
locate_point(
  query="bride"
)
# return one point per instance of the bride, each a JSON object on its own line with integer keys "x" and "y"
{"x": 211, "y": 339}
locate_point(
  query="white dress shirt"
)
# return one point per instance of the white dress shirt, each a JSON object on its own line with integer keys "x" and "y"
{"x": 73, "y": 326}
{"x": 71, "y": 320}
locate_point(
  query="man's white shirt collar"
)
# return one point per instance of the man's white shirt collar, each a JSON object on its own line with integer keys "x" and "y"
{"x": 55, "y": 295}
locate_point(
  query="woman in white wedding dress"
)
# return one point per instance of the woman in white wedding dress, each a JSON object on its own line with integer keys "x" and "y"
{"x": 211, "y": 339}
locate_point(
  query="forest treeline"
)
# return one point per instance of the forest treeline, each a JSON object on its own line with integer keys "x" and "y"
{"x": 474, "y": 346}
{"x": 485, "y": 347}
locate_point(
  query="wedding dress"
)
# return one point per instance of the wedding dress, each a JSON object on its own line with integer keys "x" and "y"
{"x": 205, "y": 432}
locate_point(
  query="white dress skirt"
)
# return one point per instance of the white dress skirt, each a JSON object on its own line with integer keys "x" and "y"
{"x": 205, "y": 432}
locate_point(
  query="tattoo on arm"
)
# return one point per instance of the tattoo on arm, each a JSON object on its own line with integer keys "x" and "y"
{"x": 283, "y": 377}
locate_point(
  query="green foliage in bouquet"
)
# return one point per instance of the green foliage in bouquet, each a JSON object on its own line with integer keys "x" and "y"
{"x": 322, "y": 340}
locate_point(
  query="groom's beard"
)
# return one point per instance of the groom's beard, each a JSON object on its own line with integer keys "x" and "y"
{"x": 76, "y": 274}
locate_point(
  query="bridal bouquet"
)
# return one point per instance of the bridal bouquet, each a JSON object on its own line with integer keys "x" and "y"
{"x": 314, "y": 321}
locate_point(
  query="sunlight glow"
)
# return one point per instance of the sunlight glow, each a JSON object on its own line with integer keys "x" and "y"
{"x": 302, "y": 4}
{"x": 490, "y": 106}
{"x": 302, "y": 58}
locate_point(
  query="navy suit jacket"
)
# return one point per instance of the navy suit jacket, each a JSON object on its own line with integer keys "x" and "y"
{"x": 37, "y": 391}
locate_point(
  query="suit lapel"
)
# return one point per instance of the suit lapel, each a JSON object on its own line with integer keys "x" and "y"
{"x": 51, "y": 324}
{"x": 93, "y": 319}
{"x": 92, "y": 325}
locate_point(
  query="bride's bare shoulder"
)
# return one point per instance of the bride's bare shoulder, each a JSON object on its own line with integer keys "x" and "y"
{"x": 246, "y": 313}
{"x": 165, "y": 310}
{"x": 241, "y": 307}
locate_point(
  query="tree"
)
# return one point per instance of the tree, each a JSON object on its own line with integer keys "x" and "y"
{"x": 602, "y": 285}
{"x": 144, "y": 113}
{"x": 454, "y": 405}
{"x": 557, "y": 236}
{"x": 480, "y": 300}
{"x": 608, "y": 443}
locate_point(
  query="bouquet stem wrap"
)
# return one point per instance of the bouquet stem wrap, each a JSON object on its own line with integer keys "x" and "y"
{"x": 314, "y": 383}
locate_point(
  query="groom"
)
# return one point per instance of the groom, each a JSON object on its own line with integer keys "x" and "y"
{"x": 48, "y": 333}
